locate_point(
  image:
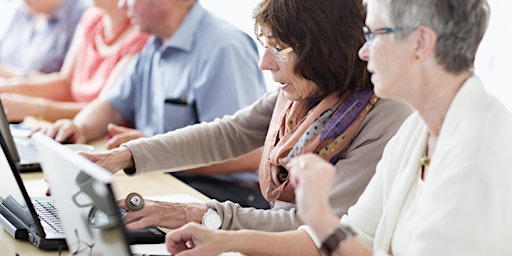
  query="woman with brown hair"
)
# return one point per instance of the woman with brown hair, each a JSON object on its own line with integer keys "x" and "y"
{"x": 325, "y": 105}
{"x": 443, "y": 184}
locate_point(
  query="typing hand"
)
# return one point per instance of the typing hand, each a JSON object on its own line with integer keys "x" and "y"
{"x": 64, "y": 131}
{"x": 120, "y": 134}
{"x": 112, "y": 160}
{"x": 162, "y": 214}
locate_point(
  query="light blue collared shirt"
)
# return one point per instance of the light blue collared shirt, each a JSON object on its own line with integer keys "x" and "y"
{"x": 206, "y": 70}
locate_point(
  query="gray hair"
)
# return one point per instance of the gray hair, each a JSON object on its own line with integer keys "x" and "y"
{"x": 460, "y": 26}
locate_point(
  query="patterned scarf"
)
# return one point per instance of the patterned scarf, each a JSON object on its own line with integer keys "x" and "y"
{"x": 298, "y": 127}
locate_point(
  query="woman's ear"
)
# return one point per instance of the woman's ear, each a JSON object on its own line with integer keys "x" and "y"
{"x": 425, "y": 42}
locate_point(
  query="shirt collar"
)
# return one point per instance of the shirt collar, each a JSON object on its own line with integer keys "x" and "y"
{"x": 63, "y": 10}
{"x": 183, "y": 38}
{"x": 60, "y": 13}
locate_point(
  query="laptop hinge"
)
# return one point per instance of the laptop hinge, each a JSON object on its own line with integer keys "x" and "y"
{"x": 12, "y": 224}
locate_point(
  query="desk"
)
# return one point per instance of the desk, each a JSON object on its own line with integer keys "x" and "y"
{"x": 153, "y": 184}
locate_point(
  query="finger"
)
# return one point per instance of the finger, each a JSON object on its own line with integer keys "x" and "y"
{"x": 51, "y": 131}
{"x": 34, "y": 130}
{"x": 65, "y": 136}
{"x": 115, "y": 141}
{"x": 114, "y": 129}
{"x": 89, "y": 156}
{"x": 143, "y": 215}
{"x": 61, "y": 131}
{"x": 175, "y": 243}
{"x": 179, "y": 240}
{"x": 140, "y": 223}
{"x": 121, "y": 203}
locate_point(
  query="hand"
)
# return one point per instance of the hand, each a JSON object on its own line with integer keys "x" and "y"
{"x": 112, "y": 160}
{"x": 312, "y": 178}
{"x": 17, "y": 106}
{"x": 162, "y": 214}
{"x": 64, "y": 131}
{"x": 194, "y": 239}
{"x": 121, "y": 134}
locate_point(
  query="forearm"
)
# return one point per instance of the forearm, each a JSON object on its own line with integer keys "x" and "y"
{"x": 324, "y": 227}
{"x": 54, "y": 110}
{"x": 244, "y": 163}
{"x": 50, "y": 86}
{"x": 235, "y": 217}
{"x": 92, "y": 121}
{"x": 198, "y": 145}
{"x": 7, "y": 71}
{"x": 250, "y": 242}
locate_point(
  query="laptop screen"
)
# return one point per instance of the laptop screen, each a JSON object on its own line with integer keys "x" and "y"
{"x": 85, "y": 201}
{"x": 13, "y": 194}
{"x": 9, "y": 183}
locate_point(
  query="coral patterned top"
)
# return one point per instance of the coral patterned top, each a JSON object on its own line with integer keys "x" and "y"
{"x": 98, "y": 56}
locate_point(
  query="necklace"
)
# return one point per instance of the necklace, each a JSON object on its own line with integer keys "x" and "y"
{"x": 425, "y": 160}
{"x": 116, "y": 33}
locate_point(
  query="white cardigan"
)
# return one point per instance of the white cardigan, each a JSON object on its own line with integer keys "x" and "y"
{"x": 464, "y": 206}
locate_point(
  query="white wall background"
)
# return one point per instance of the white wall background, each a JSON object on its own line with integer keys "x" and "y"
{"x": 492, "y": 63}
{"x": 493, "y": 58}
{"x": 495, "y": 53}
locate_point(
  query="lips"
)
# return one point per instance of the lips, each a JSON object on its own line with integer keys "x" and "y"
{"x": 283, "y": 85}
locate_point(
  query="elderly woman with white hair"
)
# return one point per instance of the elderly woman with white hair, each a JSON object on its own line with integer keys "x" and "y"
{"x": 442, "y": 186}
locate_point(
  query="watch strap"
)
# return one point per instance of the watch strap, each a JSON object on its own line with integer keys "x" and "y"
{"x": 335, "y": 239}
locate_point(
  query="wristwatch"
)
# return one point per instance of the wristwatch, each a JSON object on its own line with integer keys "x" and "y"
{"x": 211, "y": 219}
{"x": 335, "y": 239}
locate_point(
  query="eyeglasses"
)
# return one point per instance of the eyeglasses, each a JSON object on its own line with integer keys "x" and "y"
{"x": 369, "y": 35}
{"x": 278, "y": 52}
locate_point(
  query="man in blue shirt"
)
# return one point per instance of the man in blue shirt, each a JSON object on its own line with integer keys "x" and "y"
{"x": 195, "y": 68}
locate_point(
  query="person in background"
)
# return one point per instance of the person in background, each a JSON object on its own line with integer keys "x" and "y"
{"x": 324, "y": 105}
{"x": 39, "y": 36}
{"x": 104, "y": 42}
{"x": 196, "y": 67}
{"x": 443, "y": 184}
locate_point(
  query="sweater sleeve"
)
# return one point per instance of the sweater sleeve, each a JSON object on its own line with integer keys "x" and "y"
{"x": 353, "y": 174}
{"x": 205, "y": 143}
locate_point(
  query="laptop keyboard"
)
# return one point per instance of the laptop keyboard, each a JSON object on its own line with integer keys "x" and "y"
{"x": 47, "y": 212}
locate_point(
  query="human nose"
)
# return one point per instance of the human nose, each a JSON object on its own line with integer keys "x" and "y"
{"x": 267, "y": 61}
{"x": 363, "y": 52}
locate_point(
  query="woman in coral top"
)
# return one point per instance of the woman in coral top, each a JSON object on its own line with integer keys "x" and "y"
{"x": 103, "y": 44}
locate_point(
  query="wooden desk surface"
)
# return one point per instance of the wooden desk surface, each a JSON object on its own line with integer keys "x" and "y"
{"x": 154, "y": 184}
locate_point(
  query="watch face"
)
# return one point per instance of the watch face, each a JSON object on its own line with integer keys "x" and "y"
{"x": 211, "y": 219}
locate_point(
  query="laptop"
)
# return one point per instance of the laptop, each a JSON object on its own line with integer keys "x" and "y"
{"x": 24, "y": 217}
{"x": 22, "y": 149}
{"x": 86, "y": 203}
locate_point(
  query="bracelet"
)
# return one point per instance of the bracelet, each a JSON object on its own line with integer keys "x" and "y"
{"x": 340, "y": 234}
